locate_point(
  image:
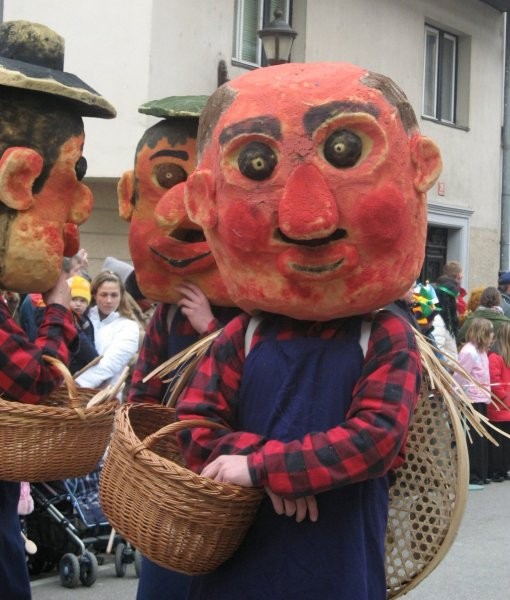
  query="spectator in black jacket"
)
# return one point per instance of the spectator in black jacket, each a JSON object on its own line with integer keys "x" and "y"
{"x": 80, "y": 300}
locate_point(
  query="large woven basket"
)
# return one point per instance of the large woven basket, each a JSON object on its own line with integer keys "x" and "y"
{"x": 428, "y": 498}
{"x": 176, "y": 518}
{"x": 56, "y": 439}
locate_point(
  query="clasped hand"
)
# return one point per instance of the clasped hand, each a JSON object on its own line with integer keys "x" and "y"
{"x": 234, "y": 469}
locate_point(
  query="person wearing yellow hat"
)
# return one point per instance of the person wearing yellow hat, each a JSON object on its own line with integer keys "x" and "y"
{"x": 80, "y": 294}
{"x": 80, "y": 300}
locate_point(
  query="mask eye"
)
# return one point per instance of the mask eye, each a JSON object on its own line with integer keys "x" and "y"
{"x": 169, "y": 174}
{"x": 257, "y": 161}
{"x": 343, "y": 148}
{"x": 80, "y": 168}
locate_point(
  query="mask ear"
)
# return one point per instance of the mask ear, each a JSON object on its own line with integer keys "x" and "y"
{"x": 19, "y": 168}
{"x": 200, "y": 200}
{"x": 427, "y": 161}
{"x": 125, "y": 193}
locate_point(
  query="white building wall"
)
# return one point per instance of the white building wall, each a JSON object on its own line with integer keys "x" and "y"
{"x": 108, "y": 46}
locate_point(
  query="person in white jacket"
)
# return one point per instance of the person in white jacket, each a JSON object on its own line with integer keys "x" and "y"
{"x": 116, "y": 333}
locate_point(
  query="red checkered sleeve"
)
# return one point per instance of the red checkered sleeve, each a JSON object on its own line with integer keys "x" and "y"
{"x": 213, "y": 395}
{"x": 155, "y": 349}
{"x": 24, "y": 376}
{"x": 372, "y": 438}
{"x": 365, "y": 446}
{"x": 153, "y": 353}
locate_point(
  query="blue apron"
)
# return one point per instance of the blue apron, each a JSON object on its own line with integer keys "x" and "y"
{"x": 158, "y": 583}
{"x": 290, "y": 388}
{"x": 14, "y": 580}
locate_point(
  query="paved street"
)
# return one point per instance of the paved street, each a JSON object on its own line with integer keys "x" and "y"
{"x": 107, "y": 586}
{"x": 476, "y": 568}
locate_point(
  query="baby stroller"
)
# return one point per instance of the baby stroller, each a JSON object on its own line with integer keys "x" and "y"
{"x": 70, "y": 530}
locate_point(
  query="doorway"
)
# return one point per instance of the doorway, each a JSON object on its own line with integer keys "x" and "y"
{"x": 436, "y": 252}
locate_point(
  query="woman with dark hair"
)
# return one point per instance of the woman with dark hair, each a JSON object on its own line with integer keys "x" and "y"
{"x": 490, "y": 308}
{"x": 446, "y": 321}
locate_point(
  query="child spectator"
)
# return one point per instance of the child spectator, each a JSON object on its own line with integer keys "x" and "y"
{"x": 31, "y": 313}
{"x": 473, "y": 302}
{"x": 499, "y": 366}
{"x": 475, "y": 361}
{"x": 80, "y": 300}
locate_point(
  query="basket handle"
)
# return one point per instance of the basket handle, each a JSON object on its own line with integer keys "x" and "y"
{"x": 146, "y": 443}
{"x": 72, "y": 390}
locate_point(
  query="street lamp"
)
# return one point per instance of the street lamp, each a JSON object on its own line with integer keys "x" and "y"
{"x": 277, "y": 39}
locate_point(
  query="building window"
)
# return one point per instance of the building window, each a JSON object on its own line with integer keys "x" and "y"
{"x": 249, "y": 17}
{"x": 440, "y": 75}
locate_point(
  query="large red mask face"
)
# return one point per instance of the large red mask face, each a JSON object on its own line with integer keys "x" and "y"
{"x": 166, "y": 247}
{"x": 313, "y": 203}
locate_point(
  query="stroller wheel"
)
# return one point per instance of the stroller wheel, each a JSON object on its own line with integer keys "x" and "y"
{"x": 138, "y": 563}
{"x": 69, "y": 570}
{"x": 88, "y": 568}
{"x": 120, "y": 564}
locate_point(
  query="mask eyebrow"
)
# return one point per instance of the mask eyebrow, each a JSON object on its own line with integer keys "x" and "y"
{"x": 266, "y": 125}
{"x": 182, "y": 154}
{"x": 317, "y": 115}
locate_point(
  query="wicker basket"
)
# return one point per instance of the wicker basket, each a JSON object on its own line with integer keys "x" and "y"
{"x": 176, "y": 518}
{"x": 428, "y": 498}
{"x": 56, "y": 439}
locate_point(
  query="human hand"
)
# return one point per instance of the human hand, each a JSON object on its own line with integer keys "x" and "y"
{"x": 229, "y": 468}
{"x": 81, "y": 262}
{"x": 84, "y": 255}
{"x": 297, "y": 506}
{"x": 195, "y": 305}
{"x": 60, "y": 293}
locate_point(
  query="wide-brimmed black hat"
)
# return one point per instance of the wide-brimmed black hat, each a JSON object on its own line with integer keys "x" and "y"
{"x": 177, "y": 107}
{"x": 32, "y": 58}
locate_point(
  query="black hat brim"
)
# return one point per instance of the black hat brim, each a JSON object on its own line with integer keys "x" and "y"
{"x": 88, "y": 102}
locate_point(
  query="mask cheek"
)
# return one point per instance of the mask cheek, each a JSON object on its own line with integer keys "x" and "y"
{"x": 383, "y": 218}
{"x": 247, "y": 230}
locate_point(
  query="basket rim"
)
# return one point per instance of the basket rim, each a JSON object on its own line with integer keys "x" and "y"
{"x": 155, "y": 464}
{"x": 16, "y": 409}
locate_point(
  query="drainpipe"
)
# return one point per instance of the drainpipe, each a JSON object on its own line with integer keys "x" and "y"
{"x": 505, "y": 141}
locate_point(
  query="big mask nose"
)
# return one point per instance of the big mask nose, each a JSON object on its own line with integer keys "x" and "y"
{"x": 307, "y": 209}
{"x": 170, "y": 210}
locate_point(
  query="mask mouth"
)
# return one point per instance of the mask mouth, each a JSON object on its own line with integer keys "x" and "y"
{"x": 189, "y": 236}
{"x": 181, "y": 263}
{"x": 185, "y": 250}
{"x": 338, "y": 234}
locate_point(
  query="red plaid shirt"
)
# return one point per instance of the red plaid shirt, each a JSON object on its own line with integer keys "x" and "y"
{"x": 154, "y": 351}
{"x": 366, "y": 445}
{"x": 24, "y": 376}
